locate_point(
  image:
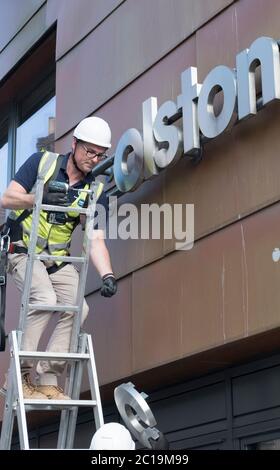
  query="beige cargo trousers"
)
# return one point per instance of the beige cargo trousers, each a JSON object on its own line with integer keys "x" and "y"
{"x": 50, "y": 289}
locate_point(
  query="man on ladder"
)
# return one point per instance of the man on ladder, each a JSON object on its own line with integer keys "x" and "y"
{"x": 55, "y": 282}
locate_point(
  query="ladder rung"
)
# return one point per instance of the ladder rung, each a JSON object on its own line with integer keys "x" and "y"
{"x": 54, "y": 308}
{"x": 54, "y": 355}
{"x": 56, "y": 404}
{"x": 80, "y": 210}
{"x": 65, "y": 259}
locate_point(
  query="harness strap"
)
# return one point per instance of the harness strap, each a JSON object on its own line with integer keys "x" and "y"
{"x": 15, "y": 224}
{"x": 17, "y": 249}
{"x": 22, "y": 250}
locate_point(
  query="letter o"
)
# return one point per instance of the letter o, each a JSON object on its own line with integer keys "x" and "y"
{"x": 128, "y": 179}
{"x": 220, "y": 77}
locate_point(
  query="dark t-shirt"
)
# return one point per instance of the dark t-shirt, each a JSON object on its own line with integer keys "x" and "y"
{"x": 27, "y": 174}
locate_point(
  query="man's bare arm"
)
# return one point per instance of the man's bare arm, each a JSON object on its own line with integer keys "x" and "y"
{"x": 99, "y": 254}
{"x": 16, "y": 197}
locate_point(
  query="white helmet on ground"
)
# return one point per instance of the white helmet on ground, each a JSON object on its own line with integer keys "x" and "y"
{"x": 112, "y": 436}
{"x": 95, "y": 131}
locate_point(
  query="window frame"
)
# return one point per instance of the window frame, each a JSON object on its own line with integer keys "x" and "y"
{"x": 4, "y": 131}
{"x": 263, "y": 436}
{"x": 25, "y": 100}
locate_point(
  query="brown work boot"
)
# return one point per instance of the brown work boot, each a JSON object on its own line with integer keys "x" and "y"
{"x": 29, "y": 390}
{"x": 53, "y": 392}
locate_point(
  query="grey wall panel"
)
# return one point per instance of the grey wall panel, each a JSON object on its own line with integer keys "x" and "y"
{"x": 168, "y": 309}
{"x": 84, "y": 435}
{"x": 124, "y": 110}
{"x": 53, "y": 11}
{"x": 214, "y": 441}
{"x": 262, "y": 388}
{"x": 234, "y": 179}
{"x": 217, "y": 292}
{"x": 197, "y": 407}
{"x": 14, "y": 15}
{"x": 23, "y": 41}
{"x": 234, "y": 163}
{"x": 109, "y": 322}
{"x": 217, "y": 42}
{"x": 49, "y": 440}
{"x": 77, "y": 18}
{"x": 177, "y": 307}
{"x": 257, "y": 18}
{"x": 116, "y": 52}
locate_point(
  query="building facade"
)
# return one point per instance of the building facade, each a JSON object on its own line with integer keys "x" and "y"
{"x": 199, "y": 329}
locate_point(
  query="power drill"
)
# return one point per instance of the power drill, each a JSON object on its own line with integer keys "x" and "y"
{"x": 59, "y": 187}
{"x": 60, "y": 218}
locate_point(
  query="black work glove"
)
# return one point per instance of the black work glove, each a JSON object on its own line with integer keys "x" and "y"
{"x": 109, "y": 286}
{"x": 55, "y": 199}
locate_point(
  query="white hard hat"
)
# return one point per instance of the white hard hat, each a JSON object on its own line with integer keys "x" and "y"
{"x": 94, "y": 130}
{"x": 112, "y": 436}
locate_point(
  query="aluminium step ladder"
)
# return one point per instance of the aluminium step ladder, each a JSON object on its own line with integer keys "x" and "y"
{"x": 81, "y": 349}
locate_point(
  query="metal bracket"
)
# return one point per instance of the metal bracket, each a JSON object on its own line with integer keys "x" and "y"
{"x": 5, "y": 242}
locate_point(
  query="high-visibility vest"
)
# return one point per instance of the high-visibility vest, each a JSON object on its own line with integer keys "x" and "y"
{"x": 54, "y": 238}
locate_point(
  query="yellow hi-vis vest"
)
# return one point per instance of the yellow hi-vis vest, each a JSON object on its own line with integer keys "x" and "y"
{"x": 54, "y": 238}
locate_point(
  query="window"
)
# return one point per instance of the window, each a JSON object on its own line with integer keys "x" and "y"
{"x": 27, "y": 103}
{"x": 36, "y": 133}
{"x": 265, "y": 445}
{"x": 264, "y": 441}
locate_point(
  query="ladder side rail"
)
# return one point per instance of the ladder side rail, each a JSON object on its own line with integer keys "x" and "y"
{"x": 9, "y": 409}
{"x": 94, "y": 387}
{"x": 83, "y": 274}
{"x": 17, "y": 385}
{"x": 77, "y": 319}
{"x": 8, "y": 420}
{"x": 77, "y": 380}
{"x": 74, "y": 392}
{"x": 31, "y": 252}
{"x": 75, "y": 375}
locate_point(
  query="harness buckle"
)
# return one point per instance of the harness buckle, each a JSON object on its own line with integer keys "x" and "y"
{"x": 5, "y": 242}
